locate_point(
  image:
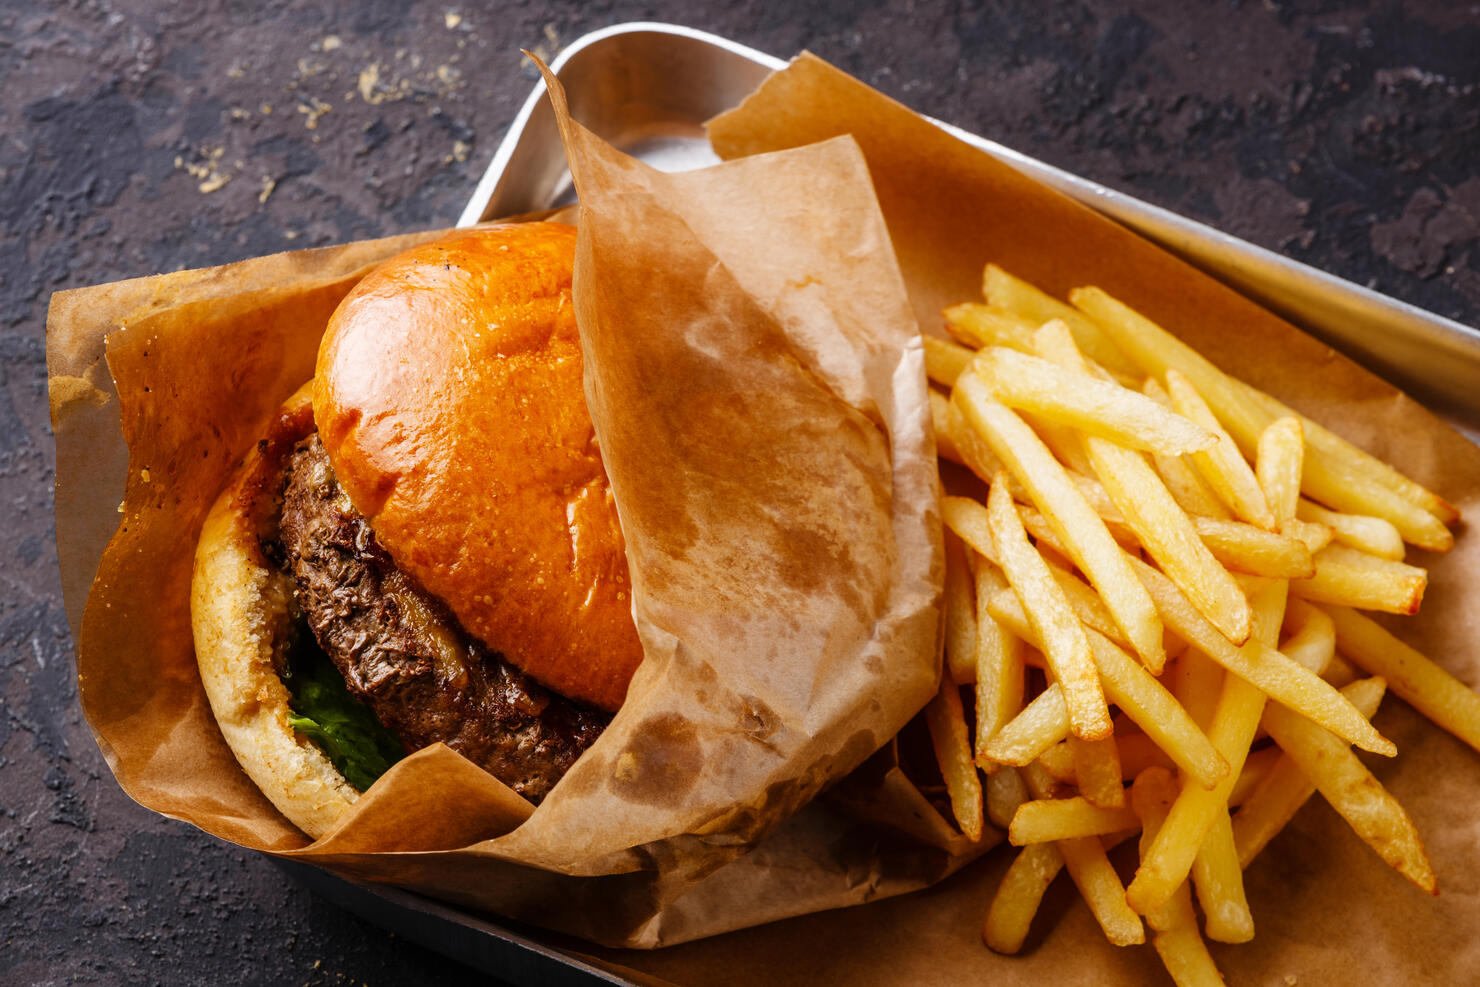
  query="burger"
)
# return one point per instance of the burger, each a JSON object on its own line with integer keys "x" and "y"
{"x": 423, "y": 546}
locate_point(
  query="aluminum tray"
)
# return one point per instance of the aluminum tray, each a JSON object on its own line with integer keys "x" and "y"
{"x": 647, "y": 88}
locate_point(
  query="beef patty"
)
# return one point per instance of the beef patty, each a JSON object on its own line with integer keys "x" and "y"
{"x": 402, "y": 652}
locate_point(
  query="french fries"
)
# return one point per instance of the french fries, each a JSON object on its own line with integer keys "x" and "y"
{"x": 1147, "y": 514}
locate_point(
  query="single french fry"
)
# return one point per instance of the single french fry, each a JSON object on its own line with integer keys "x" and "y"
{"x": 1197, "y": 684}
{"x": 1139, "y": 752}
{"x": 1092, "y": 873}
{"x": 960, "y": 603}
{"x": 1097, "y": 771}
{"x": 1285, "y": 788}
{"x": 1312, "y": 640}
{"x": 1005, "y": 792}
{"x": 1313, "y": 536}
{"x": 1272, "y": 673}
{"x": 1166, "y": 863}
{"x": 1048, "y": 820}
{"x": 1082, "y": 532}
{"x": 1363, "y": 532}
{"x": 1219, "y": 882}
{"x": 1222, "y": 465}
{"x": 979, "y": 325}
{"x": 1174, "y": 925}
{"x": 945, "y": 360}
{"x": 1142, "y": 698}
{"x": 999, "y": 664}
{"x": 948, "y": 735}
{"x": 1278, "y": 465}
{"x": 1037, "y": 307}
{"x": 970, "y": 522}
{"x": 1412, "y": 677}
{"x": 1060, "y": 635}
{"x": 1018, "y": 896}
{"x": 1349, "y": 786}
{"x": 1058, "y": 761}
{"x": 1350, "y": 578}
{"x": 1336, "y": 473}
{"x": 1094, "y": 406}
{"x": 1042, "y": 723}
{"x": 1254, "y": 551}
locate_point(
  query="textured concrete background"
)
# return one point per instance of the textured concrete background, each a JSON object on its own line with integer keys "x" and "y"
{"x": 137, "y": 138}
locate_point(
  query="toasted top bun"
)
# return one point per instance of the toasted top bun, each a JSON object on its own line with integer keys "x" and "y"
{"x": 240, "y": 613}
{"x": 448, "y": 396}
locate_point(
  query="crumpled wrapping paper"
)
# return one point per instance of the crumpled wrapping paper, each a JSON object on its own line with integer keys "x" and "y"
{"x": 755, "y": 377}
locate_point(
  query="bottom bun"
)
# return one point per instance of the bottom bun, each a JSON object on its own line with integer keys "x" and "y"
{"x": 241, "y": 615}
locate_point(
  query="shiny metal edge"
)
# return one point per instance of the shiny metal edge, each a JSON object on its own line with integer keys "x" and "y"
{"x": 1433, "y": 358}
{"x": 492, "y": 947}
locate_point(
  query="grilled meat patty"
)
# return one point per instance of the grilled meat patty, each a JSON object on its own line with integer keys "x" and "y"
{"x": 403, "y": 654}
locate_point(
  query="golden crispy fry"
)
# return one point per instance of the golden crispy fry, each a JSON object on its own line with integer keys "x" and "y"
{"x": 1350, "y": 578}
{"x": 1312, "y": 640}
{"x": 1042, "y": 723}
{"x": 1018, "y": 896}
{"x": 970, "y": 522}
{"x": 1166, "y": 863}
{"x": 1094, "y": 406}
{"x": 945, "y": 360}
{"x": 1363, "y": 532}
{"x": 1412, "y": 677}
{"x": 1285, "y": 788}
{"x": 1344, "y": 780}
{"x": 1143, "y": 699}
{"x": 1037, "y": 307}
{"x": 1174, "y": 924}
{"x": 979, "y": 325}
{"x": 1097, "y": 771}
{"x": 1279, "y": 460}
{"x": 1270, "y": 672}
{"x": 1081, "y": 531}
{"x": 1058, "y": 761}
{"x": 1222, "y": 466}
{"x": 1219, "y": 882}
{"x": 999, "y": 664}
{"x": 960, "y": 603}
{"x": 1336, "y": 473}
{"x": 1254, "y": 551}
{"x": 1310, "y": 534}
{"x": 1139, "y": 752}
{"x": 1047, "y": 820}
{"x": 948, "y": 735}
{"x": 1005, "y": 792}
{"x": 1060, "y": 635}
{"x": 1091, "y": 871}
{"x": 1197, "y": 682}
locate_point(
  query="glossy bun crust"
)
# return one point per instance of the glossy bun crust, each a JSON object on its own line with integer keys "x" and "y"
{"x": 448, "y": 396}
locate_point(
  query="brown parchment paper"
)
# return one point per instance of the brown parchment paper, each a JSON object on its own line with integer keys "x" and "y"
{"x": 757, "y": 389}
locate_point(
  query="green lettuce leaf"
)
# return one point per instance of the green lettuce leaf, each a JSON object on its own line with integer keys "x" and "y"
{"x": 323, "y": 710}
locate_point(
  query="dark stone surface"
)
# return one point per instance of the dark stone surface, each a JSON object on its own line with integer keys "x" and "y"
{"x": 139, "y": 137}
